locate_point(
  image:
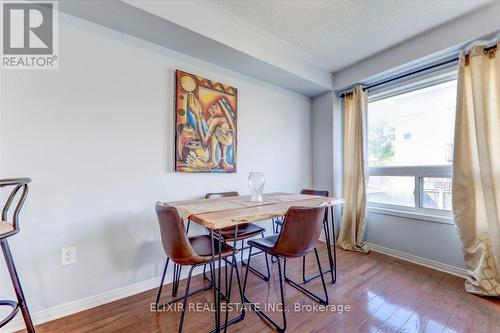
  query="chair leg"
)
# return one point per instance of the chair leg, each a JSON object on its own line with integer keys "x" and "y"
{"x": 161, "y": 283}
{"x": 209, "y": 280}
{"x": 186, "y": 295}
{"x": 276, "y": 231}
{"x": 158, "y": 296}
{"x": 174, "y": 278}
{"x": 304, "y": 270}
{"x": 267, "y": 266}
{"x": 246, "y": 271}
{"x": 276, "y": 226}
{"x": 181, "y": 298}
{"x": 259, "y": 311}
{"x": 241, "y": 254}
{"x": 177, "y": 279}
{"x": 305, "y": 291}
{"x": 17, "y": 286}
{"x": 227, "y": 285}
{"x": 321, "y": 274}
{"x": 205, "y": 277}
{"x": 255, "y": 271}
{"x": 282, "y": 292}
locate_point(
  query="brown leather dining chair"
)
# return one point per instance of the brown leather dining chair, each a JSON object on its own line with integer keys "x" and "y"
{"x": 188, "y": 251}
{"x": 332, "y": 258}
{"x": 299, "y": 235}
{"x": 9, "y": 226}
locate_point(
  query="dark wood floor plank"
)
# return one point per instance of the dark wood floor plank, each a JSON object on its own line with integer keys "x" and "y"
{"x": 395, "y": 298}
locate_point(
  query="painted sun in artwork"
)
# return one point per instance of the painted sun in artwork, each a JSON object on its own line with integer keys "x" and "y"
{"x": 206, "y": 118}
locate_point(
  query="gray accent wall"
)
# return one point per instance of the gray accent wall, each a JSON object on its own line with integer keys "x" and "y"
{"x": 430, "y": 240}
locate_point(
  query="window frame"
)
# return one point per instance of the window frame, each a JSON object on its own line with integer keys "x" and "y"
{"x": 416, "y": 171}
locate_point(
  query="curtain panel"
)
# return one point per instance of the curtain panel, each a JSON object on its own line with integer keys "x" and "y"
{"x": 476, "y": 169}
{"x": 352, "y": 228}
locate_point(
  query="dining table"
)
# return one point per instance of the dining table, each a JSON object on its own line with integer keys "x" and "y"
{"x": 217, "y": 213}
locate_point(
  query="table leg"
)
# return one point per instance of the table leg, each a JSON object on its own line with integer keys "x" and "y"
{"x": 228, "y": 293}
{"x": 334, "y": 269}
{"x": 329, "y": 245}
{"x": 215, "y": 287}
{"x": 219, "y": 282}
{"x": 332, "y": 259}
{"x": 234, "y": 267}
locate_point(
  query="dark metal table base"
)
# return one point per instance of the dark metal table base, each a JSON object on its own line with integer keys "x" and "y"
{"x": 217, "y": 284}
{"x": 332, "y": 258}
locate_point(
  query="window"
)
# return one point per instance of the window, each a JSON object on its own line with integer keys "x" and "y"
{"x": 410, "y": 147}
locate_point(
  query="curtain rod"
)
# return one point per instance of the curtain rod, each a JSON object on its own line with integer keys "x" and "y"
{"x": 424, "y": 69}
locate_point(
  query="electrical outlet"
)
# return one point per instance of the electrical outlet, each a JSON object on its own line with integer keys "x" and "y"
{"x": 68, "y": 255}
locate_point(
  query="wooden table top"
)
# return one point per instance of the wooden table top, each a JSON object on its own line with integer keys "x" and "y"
{"x": 219, "y": 213}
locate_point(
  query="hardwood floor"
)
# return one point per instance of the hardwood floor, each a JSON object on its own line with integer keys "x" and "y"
{"x": 384, "y": 294}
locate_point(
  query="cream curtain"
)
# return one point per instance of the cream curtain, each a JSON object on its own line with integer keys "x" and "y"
{"x": 352, "y": 228}
{"x": 476, "y": 169}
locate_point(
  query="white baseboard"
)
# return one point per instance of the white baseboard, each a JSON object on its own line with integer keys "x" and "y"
{"x": 419, "y": 260}
{"x": 70, "y": 308}
{"x": 414, "y": 259}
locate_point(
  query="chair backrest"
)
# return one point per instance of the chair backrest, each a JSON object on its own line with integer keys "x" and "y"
{"x": 221, "y": 195}
{"x": 315, "y": 192}
{"x": 19, "y": 185}
{"x": 322, "y": 193}
{"x": 173, "y": 235}
{"x": 300, "y": 231}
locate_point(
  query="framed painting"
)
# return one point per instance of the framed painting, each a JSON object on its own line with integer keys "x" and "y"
{"x": 206, "y": 114}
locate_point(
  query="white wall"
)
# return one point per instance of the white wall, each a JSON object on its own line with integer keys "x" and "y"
{"x": 322, "y": 136}
{"x": 96, "y": 136}
{"x": 429, "y": 240}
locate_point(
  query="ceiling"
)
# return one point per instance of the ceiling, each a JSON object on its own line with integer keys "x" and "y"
{"x": 297, "y": 45}
{"x": 339, "y": 33}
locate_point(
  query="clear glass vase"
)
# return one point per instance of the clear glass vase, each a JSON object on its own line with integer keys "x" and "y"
{"x": 256, "y": 183}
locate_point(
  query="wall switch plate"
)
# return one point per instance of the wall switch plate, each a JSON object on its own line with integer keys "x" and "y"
{"x": 68, "y": 255}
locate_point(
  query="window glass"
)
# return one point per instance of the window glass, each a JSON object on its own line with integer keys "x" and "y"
{"x": 436, "y": 193}
{"x": 413, "y": 128}
{"x": 393, "y": 190}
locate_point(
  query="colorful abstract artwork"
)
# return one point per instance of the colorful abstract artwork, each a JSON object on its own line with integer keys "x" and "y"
{"x": 205, "y": 118}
